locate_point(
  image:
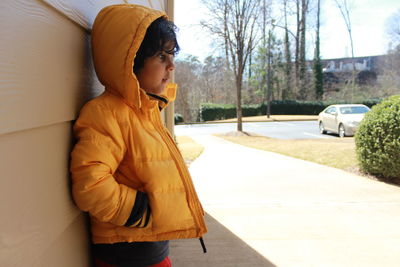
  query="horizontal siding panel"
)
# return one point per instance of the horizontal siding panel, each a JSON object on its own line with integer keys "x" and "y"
{"x": 156, "y": 4}
{"x": 83, "y": 12}
{"x": 70, "y": 248}
{"x": 45, "y": 66}
{"x": 36, "y": 207}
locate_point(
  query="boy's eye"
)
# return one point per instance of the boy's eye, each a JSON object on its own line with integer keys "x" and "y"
{"x": 162, "y": 56}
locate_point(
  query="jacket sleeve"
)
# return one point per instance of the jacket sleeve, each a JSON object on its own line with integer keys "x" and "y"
{"x": 95, "y": 158}
{"x": 140, "y": 214}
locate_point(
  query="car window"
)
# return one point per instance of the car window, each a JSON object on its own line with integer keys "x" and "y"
{"x": 330, "y": 110}
{"x": 354, "y": 110}
{"x": 345, "y": 110}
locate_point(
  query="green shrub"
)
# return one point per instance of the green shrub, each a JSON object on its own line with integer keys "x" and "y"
{"x": 178, "y": 118}
{"x": 378, "y": 139}
{"x": 210, "y": 112}
{"x": 294, "y": 107}
{"x": 250, "y": 110}
{"x": 371, "y": 102}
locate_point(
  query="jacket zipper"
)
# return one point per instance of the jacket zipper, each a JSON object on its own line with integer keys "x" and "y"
{"x": 192, "y": 194}
{"x": 196, "y": 206}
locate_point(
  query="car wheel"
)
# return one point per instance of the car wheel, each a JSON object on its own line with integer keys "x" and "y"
{"x": 321, "y": 128}
{"x": 342, "y": 131}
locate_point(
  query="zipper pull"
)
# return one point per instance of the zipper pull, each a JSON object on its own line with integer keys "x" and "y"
{"x": 203, "y": 245}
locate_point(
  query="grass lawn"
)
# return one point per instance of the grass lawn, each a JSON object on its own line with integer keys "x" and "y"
{"x": 190, "y": 149}
{"x": 338, "y": 153}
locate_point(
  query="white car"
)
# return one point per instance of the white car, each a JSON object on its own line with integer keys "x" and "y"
{"x": 341, "y": 119}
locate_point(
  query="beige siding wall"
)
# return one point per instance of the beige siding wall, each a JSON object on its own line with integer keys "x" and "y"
{"x": 46, "y": 75}
{"x": 40, "y": 225}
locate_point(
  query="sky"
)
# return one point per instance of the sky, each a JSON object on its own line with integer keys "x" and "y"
{"x": 367, "y": 17}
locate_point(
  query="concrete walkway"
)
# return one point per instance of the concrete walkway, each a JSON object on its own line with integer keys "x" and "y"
{"x": 266, "y": 209}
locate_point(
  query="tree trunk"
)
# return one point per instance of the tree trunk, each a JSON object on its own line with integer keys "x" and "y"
{"x": 302, "y": 59}
{"x": 353, "y": 73}
{"x": 344, "y": 10}
{"x": 226, "y": 39}
{"x": 297, "y": 47}
{"x": 250, "y": 66}
{"x": 269, "y": 75}
{"x": 288, "y": 64}
{"x": 264, "y": 54}
{"x": 318, "y": 74}
{"x": 239, "y": 102}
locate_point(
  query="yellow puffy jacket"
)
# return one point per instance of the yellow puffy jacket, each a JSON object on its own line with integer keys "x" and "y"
{"x": 123, "y": 147}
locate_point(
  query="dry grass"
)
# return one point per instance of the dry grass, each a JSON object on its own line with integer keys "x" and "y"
{"x": 190, "y": 149}
{"x": 338, "y": 153}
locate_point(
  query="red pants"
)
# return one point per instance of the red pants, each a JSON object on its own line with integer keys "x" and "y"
{"x": 165, "y": 263}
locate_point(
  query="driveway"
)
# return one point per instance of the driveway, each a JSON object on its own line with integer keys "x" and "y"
{"x": 280, "y": 130}
{"x": 266, "y": 209}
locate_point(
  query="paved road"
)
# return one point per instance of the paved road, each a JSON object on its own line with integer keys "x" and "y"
{"x": 280, "y": 130}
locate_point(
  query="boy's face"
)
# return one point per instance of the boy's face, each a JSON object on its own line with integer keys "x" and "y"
{"x": 156, "y": 72}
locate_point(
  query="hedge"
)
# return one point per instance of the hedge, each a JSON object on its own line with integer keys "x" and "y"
{"x": 178, "y": 118}
{"x": 378, "y": 139}
{"x": 293, "y": 107}
{"x": 210, "y": 112}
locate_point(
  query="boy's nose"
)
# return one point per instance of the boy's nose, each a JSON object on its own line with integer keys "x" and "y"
{"x": 171, "y": 65}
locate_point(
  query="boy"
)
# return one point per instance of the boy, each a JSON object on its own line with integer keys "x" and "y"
{"x": 126, "y": 169}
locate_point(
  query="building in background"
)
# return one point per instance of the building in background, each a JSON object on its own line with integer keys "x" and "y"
{"x": 339, "y": 70}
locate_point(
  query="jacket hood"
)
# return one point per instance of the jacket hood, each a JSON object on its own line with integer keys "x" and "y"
{"x": 117, "y": 34}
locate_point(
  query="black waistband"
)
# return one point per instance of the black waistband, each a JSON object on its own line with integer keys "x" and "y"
{"x": 132, "y": 254}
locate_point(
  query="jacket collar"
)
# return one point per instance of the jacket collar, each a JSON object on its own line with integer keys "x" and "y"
{"x": 165, "y": 98}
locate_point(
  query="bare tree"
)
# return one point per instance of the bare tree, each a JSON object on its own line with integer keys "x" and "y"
{"x": 297, "y": 43}
{"x": 393, "y": 29}
{"x": 265, "y": 59}
{"x": 391, "y": 75}
{"x": 226, "y": 29}
{"x": 234, "y": 21}
{"x": 288, "y": 64}
{"x": 344, "y": 7}
{"x": 302, "y": 50}
{"x": 216, "y": 81}
{"x": 263, "y": 52}
{"x": 269, "y": 73}
{"x": 318, "y": 74}
{"x": 189, "y": 94}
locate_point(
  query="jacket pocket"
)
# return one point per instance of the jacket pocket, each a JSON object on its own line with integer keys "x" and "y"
{"x": 171, "y": 212}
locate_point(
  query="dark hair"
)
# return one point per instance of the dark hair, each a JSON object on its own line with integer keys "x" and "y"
{"x": 158, "y": 34}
